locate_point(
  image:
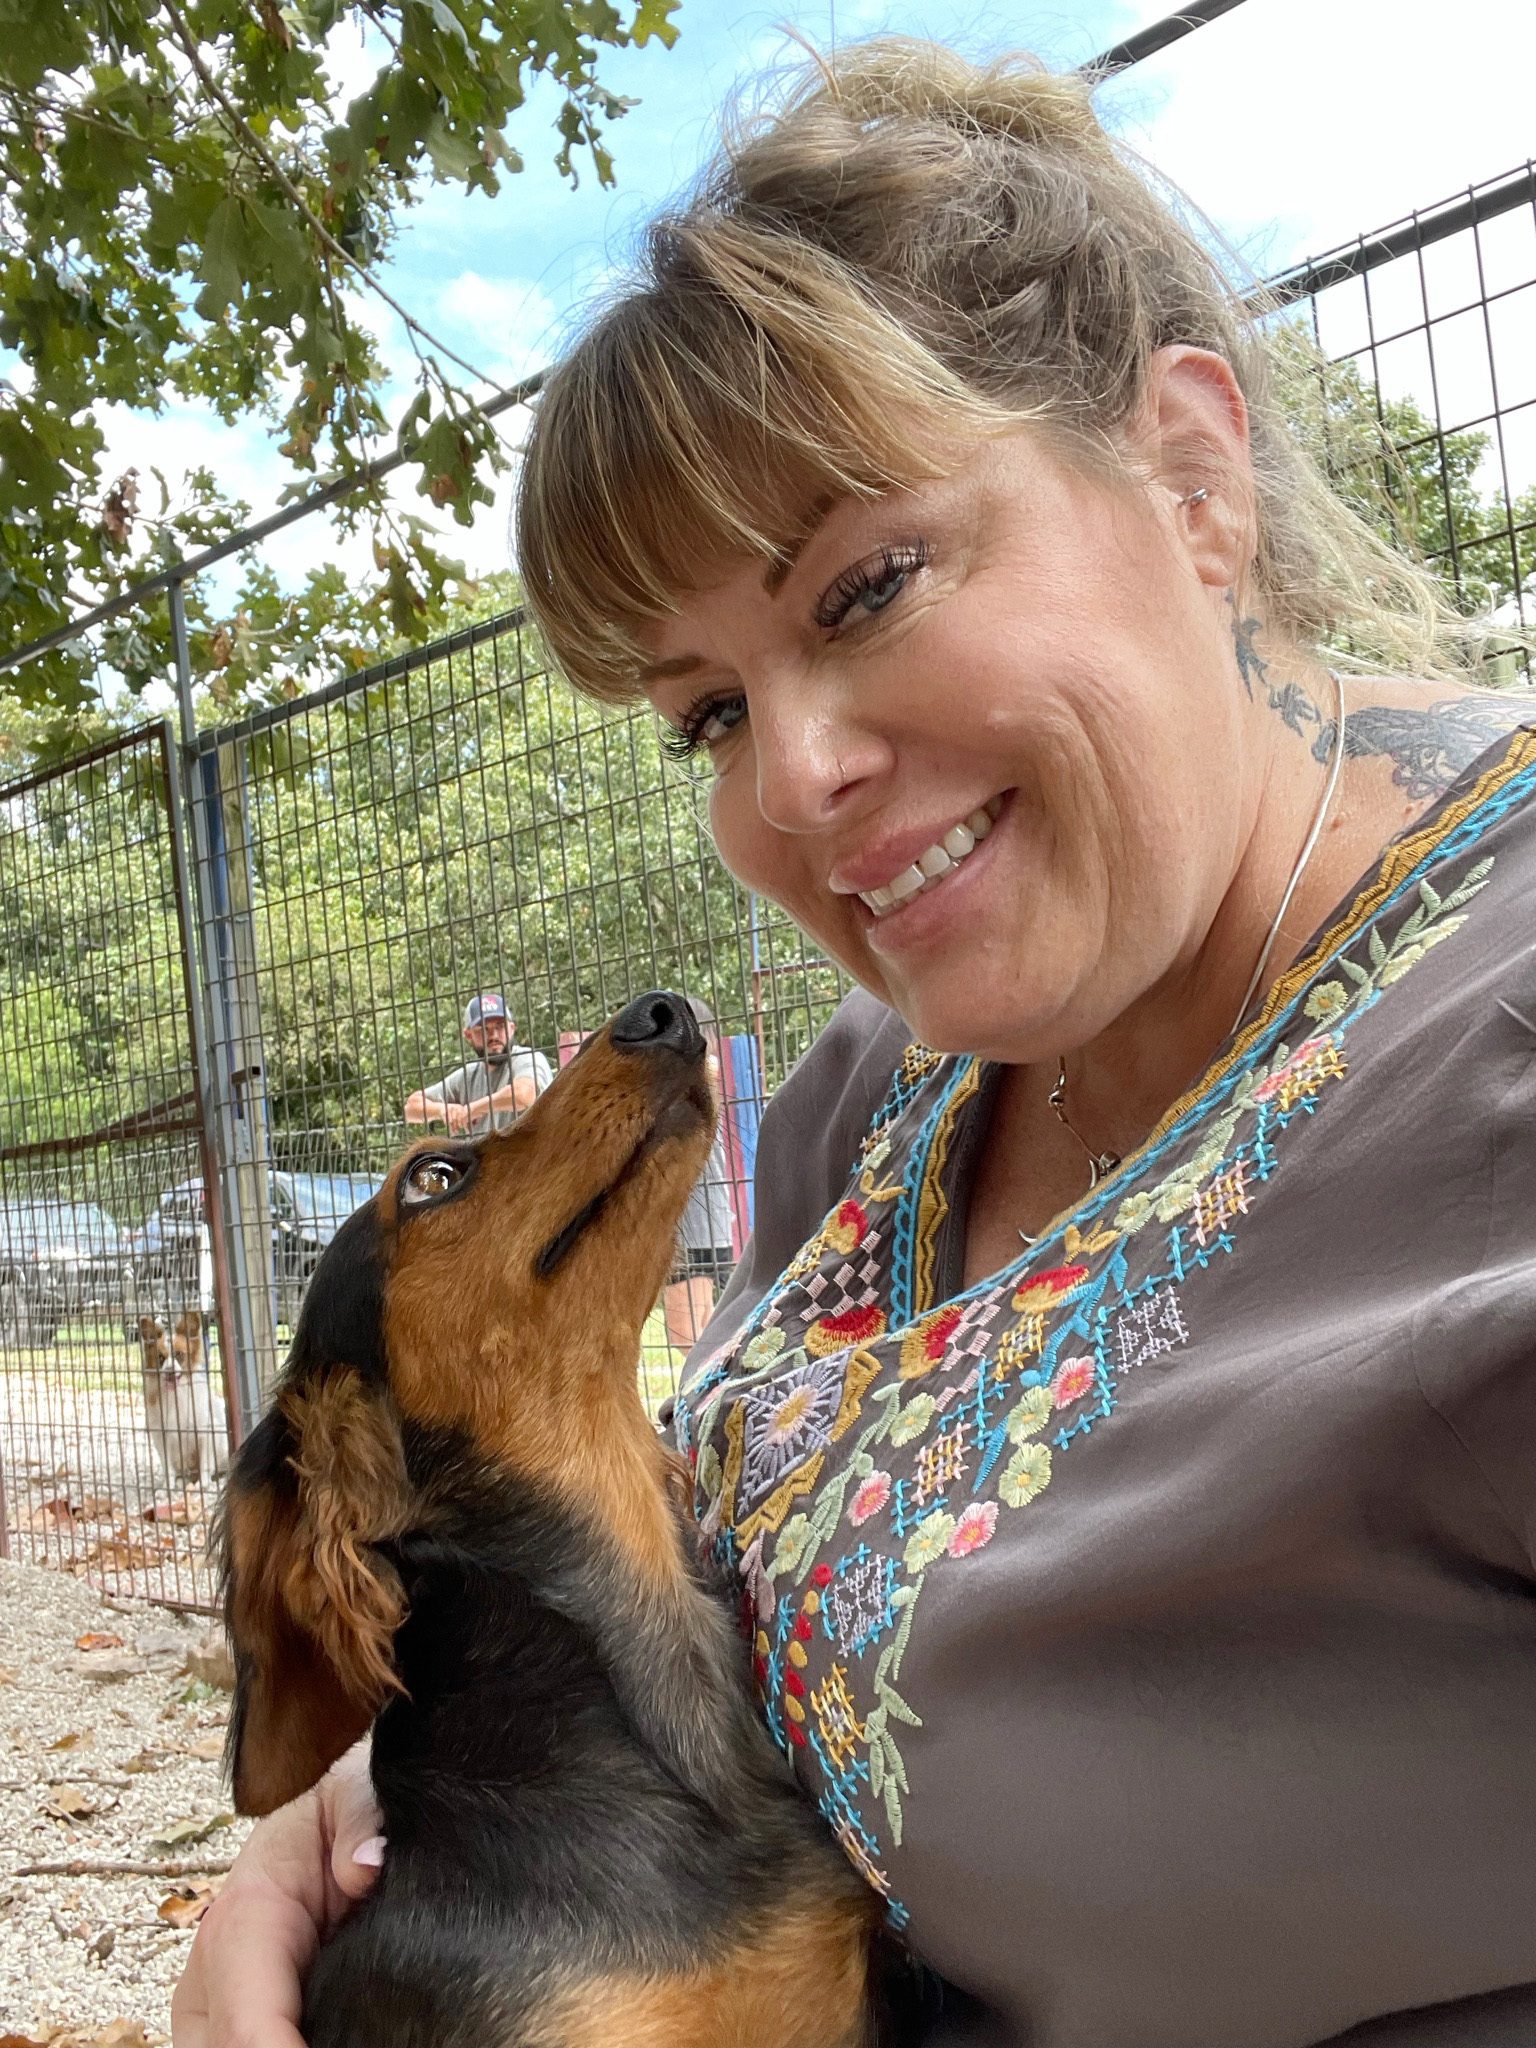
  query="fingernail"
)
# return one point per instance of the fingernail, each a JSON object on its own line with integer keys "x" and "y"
{"x": 370, "y": 1852}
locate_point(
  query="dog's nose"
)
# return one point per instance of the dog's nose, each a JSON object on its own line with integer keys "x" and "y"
{"x": 655, "y": 1021}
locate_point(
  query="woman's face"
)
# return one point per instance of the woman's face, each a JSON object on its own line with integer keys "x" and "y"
{"x": 1014, "y": 685}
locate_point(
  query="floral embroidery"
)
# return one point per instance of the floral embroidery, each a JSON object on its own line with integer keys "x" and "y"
{"x": 870, "y": 1498}
{"x": 1026, "y": 1475}
{"x": 1072, "y": 1381}
{"x": 855, "y": 1404}
{"x": 974, "y": 1528}
{"x": 835, "y": 1333}
{"x": 926, "y": 1342}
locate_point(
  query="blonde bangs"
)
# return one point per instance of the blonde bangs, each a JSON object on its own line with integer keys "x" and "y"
{"x": 697, "y": 427}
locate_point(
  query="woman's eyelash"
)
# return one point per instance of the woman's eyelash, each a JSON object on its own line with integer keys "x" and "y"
{"x": 683, "y": 740}
{"x": 887, "y": 571}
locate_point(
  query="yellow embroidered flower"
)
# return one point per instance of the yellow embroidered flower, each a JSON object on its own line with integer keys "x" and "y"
{"x": 1133, "y": 1212}
{"x": 762, "y": 1349}
{"x": 1031, "y": 1415}
{"x": 913, "y": 1419}
{"x": 794, "y": 1540}
{"x": 930, "y": 1539}
{"x": 923, "y": 1346}
{"x": 1027, "y": 1473}
{"x": 1326, "y": 1000}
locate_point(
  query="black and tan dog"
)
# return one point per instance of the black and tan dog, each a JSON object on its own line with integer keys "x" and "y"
{"x": 458, "y": 1519}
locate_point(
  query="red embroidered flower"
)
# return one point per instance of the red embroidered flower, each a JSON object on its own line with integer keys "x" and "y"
{"x": 848, "y": 1227}
{"x": 1072, "y": 1381}
{"x": 974, "y": 1529}
{"x": 1046, "y": 1289}
{"x": 870, "y": 1498}
{"x": 838, "y": 1333}
{"x": 923, "y": 1346}
{"x": 822, "y": 1576}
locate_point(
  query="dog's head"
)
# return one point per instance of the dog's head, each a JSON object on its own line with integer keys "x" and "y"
{"x": 174, "y": 1354}
{"x": 491, "y": 1294}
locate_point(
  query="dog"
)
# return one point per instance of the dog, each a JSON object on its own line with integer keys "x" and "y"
{"x": 185, "y": 1428}
{"x": 458, "y": 1524}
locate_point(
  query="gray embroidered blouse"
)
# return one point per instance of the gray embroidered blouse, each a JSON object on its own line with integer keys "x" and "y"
{"x": 1155, "y": 1621}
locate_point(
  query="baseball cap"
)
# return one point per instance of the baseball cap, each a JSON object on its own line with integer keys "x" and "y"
{"x": 479, "y": 1008}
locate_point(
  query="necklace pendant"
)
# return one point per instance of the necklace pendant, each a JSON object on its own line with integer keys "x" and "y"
{"x": 1099, "y": 1164}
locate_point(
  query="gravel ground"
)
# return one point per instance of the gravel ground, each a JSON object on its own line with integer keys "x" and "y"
{"x": 86, "y": 1492}
{"x": 105, "y": 1751}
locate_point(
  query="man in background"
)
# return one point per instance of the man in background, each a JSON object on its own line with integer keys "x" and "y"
{"x": 490, "y": 1091}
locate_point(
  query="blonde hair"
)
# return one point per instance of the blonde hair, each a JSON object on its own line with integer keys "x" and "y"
{"x": 910, "y": 253}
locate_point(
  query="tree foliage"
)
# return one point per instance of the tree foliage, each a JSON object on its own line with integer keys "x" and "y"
{"x": 185, "y": 212}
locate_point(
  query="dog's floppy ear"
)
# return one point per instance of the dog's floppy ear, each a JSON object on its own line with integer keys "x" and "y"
{"x": 312, "y": 1609}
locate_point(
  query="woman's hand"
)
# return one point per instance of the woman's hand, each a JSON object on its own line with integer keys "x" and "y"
{"x": 300, "y": 1872}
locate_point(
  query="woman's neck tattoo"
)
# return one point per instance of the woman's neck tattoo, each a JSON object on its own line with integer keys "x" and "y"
{"x": 1295, "y": 707}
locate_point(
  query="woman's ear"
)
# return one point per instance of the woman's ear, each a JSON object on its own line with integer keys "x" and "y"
{"x": 1193, "y": 438}
{"x": 311, "y": 1607}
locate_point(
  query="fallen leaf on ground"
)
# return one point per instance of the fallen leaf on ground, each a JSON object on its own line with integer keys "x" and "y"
{"x": 168, "y": 1511}
{"x": 56, "y": 1513}
{"x": 100, "y": 1507}
{"x": 94, "y": 1640}
{"x": 117, "y": 2034}
{"x": 71, "y": 1802}
{"x": 68, "y": 1741}
{"x": 185, "y": 1832}
{"x": 209, "y": 1747}
{"x": 147, "y": 1760}
{"x": 8, "y": 1677}
{"x": 121, "y": 1555}
{"x": 187, "y": 1904}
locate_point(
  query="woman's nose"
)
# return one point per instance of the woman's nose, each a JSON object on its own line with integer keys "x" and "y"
{"x": 809, "y": 766}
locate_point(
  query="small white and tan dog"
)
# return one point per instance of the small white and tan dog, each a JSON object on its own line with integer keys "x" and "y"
{"x": 185, "y": 1425}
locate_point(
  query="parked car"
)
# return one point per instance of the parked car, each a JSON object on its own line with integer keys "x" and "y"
{"x": 60, "y": 1259}
{"x": 306, "y": 1211}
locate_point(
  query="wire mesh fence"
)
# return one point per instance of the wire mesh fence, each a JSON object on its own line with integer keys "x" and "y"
{"x": 453, "y": 825}
{"x": 361, "y": 863}
{"x": 112, "y": 1424}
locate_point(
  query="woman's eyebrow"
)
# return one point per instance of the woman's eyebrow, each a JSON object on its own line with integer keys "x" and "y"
{"x": 674, "y": 665}
{"x": 787, "y": 556}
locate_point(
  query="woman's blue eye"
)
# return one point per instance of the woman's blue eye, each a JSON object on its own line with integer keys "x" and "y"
{"x": 704, "y": 724}
{"x": 871, "y": 585}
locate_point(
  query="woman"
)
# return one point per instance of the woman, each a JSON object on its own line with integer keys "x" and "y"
{"x": 1122, "y": 1422}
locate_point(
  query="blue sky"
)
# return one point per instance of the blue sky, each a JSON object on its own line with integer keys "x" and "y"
{"x": 1294, "y": 124}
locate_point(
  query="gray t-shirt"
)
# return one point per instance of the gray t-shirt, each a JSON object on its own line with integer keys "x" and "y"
{"x": 1156, "y": 1620}
{"x": 706, "y": 1224}
{"x": 478, "y": 1080}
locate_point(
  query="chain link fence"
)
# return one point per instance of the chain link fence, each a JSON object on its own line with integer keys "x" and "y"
{"x": 334, "y": 878}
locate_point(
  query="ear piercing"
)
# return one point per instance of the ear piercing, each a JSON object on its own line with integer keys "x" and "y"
{"x": 1195, "y": 497}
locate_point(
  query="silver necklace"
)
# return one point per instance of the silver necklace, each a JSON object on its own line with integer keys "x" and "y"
{"x": 1102, "y": 1163}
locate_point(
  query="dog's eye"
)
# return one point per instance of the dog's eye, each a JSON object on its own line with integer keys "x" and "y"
{"x": 429, "y": 1178}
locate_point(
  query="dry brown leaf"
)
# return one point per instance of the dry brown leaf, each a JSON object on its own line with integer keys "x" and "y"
{"x": 117, "y": 2034}
{"x": 148, "y": 1760}
{"x": 54, "y": 1514}
{"x": 120, "y": 1554}
{"x": 75, "y": 1735}
{"x": 71, "y": 1802}
{"x": 22, "y": 2041}
{"x": 100, "y": 1507}
{"x": 185, "y": 1832}
{"x": 8, "y": 1677}
{"x": 187, "y": 1904}
{"x": 168, "y": 1511}
{"x": 96, "y": 1640}
{"x": 209, "y": 1747}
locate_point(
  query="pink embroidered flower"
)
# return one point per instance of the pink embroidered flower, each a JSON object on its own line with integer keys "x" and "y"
{"x": 1310, "y": 1049}
{"x": 974, "y": 1528}
{"x": 870, "y": 1498}
{"x": 1072, "y": 1381}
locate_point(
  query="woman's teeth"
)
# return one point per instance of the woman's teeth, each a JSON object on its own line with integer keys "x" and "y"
{"x": 934, "y": 863}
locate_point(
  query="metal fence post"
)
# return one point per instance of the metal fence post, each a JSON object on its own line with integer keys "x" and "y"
{"x": 241, "y": 1243}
